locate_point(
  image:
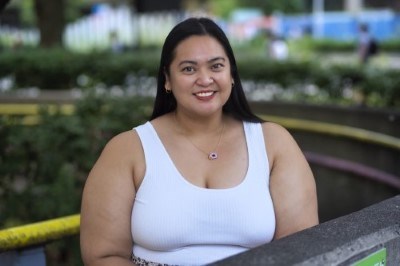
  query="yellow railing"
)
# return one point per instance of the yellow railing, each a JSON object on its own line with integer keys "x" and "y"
{"x": 336, "y": 130}
{"x": 39, "y": 233}
{"x": 31, "y": 111}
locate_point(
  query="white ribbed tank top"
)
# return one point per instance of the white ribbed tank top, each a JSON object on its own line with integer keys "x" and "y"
{"x": 176, "y": 222}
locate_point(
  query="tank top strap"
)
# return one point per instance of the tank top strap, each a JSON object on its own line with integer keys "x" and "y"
{"x": 258, "y": 158}
{"x": 152, "y": 148}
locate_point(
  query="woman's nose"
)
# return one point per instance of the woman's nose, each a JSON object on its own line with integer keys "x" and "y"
{"x": 205, "y": 79}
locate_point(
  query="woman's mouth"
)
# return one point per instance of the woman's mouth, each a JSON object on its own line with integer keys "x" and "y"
{"x": 203, "y": 94}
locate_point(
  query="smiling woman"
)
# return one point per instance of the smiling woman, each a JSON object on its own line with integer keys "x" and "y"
{"x": 205, "y": 178}
{"x": 199, "y": 76}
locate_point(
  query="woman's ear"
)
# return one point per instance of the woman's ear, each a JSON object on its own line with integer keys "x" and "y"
{"x": 167, "y": 83}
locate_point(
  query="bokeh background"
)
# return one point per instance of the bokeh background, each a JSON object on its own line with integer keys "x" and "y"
{"x": 75, "y": 73}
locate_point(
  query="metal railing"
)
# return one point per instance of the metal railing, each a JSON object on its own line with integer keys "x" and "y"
{"x": 39, "y": 233}
{"x": 30, "y": 113}
{"x": 336, "y": 130}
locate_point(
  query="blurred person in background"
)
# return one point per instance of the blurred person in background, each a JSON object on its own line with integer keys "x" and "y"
{"x": 367, "y": 46}
{"x": 115, "y": 44}
{"x": 204, "y": 178}
{"x": 278, "y": 48}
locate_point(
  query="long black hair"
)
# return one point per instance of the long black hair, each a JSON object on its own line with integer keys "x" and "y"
{"x": 237, "y": 105}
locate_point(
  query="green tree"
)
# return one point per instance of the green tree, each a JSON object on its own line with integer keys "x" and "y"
{"x": 3, "y": 4}
{"x": 50, "y": 21}
{"x": 50, "y": 17}
{"x": 271, "y": 6}
{"x": 223, "y": 8}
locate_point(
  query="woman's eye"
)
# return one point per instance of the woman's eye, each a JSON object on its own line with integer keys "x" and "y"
{"x": 217, "y": 66}
{"x": 188, "y": 69}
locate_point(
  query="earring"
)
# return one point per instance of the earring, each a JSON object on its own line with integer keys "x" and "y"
{"x": 168, "y": 91}
{"x": 233, "y": 84}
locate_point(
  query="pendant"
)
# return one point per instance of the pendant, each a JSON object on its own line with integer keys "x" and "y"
{"x": 212, "y": 156}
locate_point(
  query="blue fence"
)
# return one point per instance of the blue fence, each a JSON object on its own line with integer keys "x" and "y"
{"x": 94, "y": 31}
{"x": 383, "y": 25}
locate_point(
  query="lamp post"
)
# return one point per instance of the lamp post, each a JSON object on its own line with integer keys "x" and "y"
{"x": 318, "y": 18}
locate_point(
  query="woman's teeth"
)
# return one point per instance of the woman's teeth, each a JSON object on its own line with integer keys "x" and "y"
{"x": 204, "y": 94}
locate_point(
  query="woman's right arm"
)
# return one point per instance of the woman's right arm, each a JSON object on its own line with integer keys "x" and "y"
{"x": 105, "y": 232}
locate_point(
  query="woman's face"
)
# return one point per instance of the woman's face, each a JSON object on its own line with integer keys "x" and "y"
{"x": 200, "y": 76}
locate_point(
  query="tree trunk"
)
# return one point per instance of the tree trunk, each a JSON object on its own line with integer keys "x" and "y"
{"x": 3, "y": 4}
{"x": 50, "y": 21}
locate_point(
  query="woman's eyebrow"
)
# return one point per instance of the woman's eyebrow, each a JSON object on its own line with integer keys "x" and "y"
{"x": 187, "y": 62}
{"x": 216, "y": 59}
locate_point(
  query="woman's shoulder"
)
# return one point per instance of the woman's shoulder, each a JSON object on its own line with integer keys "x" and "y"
{"x": 123, "y": 154}
{"x": 277, "y": 137}
{"x": 123, "y": 143}
{"x": 275, "y": 130}
{"x": 270, "y": 129}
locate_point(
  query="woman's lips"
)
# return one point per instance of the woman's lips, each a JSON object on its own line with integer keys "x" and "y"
{"x": 204, "y": 95}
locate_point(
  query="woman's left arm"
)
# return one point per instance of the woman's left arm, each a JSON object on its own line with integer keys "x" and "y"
{"x": 292, "y": 183}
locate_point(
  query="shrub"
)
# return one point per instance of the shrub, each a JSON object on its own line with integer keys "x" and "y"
{"x": 43, "y": 167}
{"x": 52, "y": 159}
{"x": 57, "y": 69}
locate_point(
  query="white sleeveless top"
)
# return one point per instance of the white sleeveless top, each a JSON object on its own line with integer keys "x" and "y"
{"x": 176, "y": 222}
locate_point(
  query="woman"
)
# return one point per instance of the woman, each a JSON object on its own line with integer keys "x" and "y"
{"x": 205, "y": 178}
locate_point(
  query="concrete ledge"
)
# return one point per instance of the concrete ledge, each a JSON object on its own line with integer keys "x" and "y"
{"x": 342, "y": 241}
{"x": 32, "y": 256}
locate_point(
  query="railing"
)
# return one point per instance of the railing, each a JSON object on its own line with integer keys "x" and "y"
{"x": 30, "y": 116}
{"x": 40, "y": 233}
{"x": 337, "y": 130}
{"x": 31, "y": 112}
{"x": 358, "y": 134}
{"x": 24, "y": 245}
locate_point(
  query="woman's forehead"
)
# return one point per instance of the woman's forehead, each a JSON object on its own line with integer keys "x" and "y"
{"x": 203, "y": 48}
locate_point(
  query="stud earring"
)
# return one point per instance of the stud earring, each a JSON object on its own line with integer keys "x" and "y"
{"x": 168, "y": 91}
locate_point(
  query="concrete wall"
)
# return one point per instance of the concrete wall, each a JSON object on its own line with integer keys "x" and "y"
{"x": 33, "y": 256}
{"x": 343, "y": 241}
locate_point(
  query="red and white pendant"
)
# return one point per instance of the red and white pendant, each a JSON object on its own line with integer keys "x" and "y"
{"x": 212, "y": 156}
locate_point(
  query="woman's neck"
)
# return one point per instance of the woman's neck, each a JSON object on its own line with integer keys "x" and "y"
{"x": 192, "y": 125}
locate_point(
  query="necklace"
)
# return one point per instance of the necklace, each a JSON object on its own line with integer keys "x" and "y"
{"x": 212, "y": 155}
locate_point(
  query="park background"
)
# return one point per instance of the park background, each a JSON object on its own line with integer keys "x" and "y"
{"x": 90, "y": 67}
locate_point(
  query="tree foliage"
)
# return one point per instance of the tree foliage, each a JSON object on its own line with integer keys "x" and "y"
{"x": 224, "y": 8}
{"x": 272, "y": 6}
